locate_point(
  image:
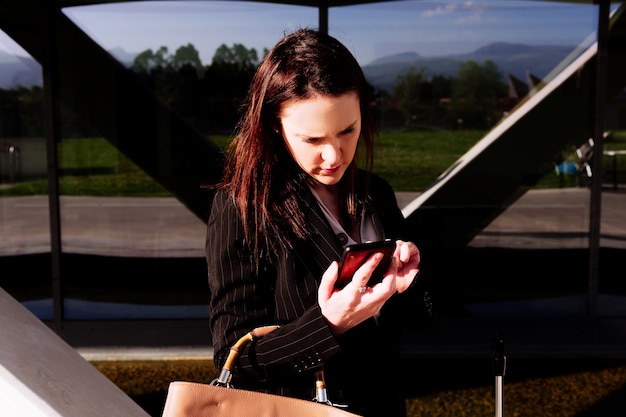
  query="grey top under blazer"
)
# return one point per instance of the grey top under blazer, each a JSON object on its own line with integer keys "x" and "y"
{"x": 361, "y": 366}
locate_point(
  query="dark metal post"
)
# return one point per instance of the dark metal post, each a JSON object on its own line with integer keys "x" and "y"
{"x": 51, "y": 118}
{"x": 323, "y": 15}
{"x": 499, "y": 368}
{"x": 595, "y": 212}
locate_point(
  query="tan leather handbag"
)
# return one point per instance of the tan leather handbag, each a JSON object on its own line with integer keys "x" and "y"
{"x": 218, "y": 399}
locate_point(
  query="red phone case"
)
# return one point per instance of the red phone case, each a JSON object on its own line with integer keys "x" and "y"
{"x": 355, "y": 255}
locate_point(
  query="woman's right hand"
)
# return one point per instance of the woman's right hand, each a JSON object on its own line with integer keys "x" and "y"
{"x": 356, "y": 302}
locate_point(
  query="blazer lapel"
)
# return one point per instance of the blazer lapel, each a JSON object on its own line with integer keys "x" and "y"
{"x": 323, "y": 247}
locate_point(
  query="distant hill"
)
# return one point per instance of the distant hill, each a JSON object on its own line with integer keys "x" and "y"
{"x": 124, "y": 57}
{"x": 396, "y": 58}
{"x": 515, "y": 59}
{"x": 18, "y": 70}
{"x": 25, "y": 71}
{"x": 382, "y": 73}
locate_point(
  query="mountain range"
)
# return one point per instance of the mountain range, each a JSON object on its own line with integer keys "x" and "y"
{"x": 18, "y": 70}
{"x": 518, "y": 60}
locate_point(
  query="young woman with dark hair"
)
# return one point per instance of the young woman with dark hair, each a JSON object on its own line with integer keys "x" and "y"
{"x": 293, "y": 196}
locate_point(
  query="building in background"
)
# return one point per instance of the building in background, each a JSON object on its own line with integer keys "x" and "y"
{"x": 113, "y": 117}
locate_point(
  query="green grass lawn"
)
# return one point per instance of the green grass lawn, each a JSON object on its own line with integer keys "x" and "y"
{"x": 409, "y": 160}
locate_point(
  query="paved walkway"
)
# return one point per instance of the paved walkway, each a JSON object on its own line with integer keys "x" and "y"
{"x": 163, "y": 227}
{"x": 107, "y": 226}
{"x": 557, "y": 219}
{"x": 552, "y": 218}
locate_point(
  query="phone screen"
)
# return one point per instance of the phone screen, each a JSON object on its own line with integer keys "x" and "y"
{"x": 355, "y": 255}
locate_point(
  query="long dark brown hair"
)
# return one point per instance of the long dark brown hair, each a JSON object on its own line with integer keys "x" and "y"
{"x": 261, "y": 176}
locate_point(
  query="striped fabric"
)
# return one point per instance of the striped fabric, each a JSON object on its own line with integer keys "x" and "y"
{"x": 284, "y": 292}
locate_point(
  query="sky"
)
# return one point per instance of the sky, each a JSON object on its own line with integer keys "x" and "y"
{"x": 428, "y": 27}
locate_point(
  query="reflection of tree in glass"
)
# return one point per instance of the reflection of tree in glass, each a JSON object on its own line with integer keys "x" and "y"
{"x": 210, "y": 96}
{"x": 476, "y": 94}
{"x": 238, "y": 55}
{"x": 473, "y": 96}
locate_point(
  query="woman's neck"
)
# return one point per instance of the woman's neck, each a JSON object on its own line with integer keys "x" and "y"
{"x": 329, "y": 195}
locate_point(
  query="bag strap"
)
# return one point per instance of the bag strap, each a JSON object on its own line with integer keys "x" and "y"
{"x": 226, "y": 372}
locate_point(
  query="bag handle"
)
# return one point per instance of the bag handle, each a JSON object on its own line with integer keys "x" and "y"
{"x": 226, "y": 372}
{"x": 249, "y": 337}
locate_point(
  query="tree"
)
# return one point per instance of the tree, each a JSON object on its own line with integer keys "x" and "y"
{"x": 418, "y": 98}
{"x": 409, "y": 96}
{"x": 475, "y": 94}
{"x": 478, "y": 82}
{"x": 148, "y": 60}
{"x": 237, "y": 56}
{"x": 209, "y": 96}
{"x": 186, "y": 55}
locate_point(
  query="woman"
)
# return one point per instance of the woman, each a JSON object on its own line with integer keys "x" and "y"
{"x": 291, "y": 199}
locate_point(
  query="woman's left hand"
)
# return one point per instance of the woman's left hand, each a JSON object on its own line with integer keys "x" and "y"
{"x": 346, "y": 308}
{"x": 407, "y": 257}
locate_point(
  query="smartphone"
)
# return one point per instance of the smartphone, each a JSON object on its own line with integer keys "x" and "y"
{"x": 355, "y": 255}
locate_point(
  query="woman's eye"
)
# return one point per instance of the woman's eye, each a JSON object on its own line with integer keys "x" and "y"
{"x": 348, "y": 131}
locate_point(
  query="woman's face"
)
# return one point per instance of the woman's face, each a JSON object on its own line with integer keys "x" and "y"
{"x": 322, "y": 134}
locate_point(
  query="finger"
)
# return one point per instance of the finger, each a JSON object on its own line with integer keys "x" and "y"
{"x": 405, "y": 251}
{"x": 386, "y": 286}
{"x": 327, "y": 284}
{"x": 362, "y": 275}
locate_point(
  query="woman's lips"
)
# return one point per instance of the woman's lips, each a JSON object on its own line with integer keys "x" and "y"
{"x": 330, "y": 171}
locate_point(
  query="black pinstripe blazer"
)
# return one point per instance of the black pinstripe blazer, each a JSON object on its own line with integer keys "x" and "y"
{"x": 284, "y": 292}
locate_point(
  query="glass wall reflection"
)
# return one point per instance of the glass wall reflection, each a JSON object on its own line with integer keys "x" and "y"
{"x": 131, "y": 245}
{"x": 125, "y": 239}
{"x": 449, "y": 79}
{"x": 24, "y": 215}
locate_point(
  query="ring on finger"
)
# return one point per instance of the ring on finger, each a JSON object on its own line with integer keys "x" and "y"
{"x": 362, "y": 289}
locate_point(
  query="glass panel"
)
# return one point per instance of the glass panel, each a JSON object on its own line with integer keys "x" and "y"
{"x": 25, "y": 270}
{"x": 197, "y": 56}
{"x": 133, "y": 234}
{"x": 451, "y": 75}
{"x": 114, "y": 255}
{"x": 129, "y": 28}
{"x": 125, "y": 238}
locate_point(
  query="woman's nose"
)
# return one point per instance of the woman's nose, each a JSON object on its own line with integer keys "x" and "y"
{"x": 331, "y": 153}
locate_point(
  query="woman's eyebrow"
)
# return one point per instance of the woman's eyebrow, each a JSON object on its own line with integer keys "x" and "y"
{"x": 347, "y": 129}
{"x": 305, "y": 136}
